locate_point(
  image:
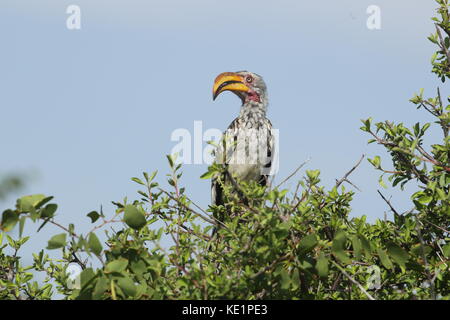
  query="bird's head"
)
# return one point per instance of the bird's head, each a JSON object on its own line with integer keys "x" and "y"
{"x": 246, "y": 85}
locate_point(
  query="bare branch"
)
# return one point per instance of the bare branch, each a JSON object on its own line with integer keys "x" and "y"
{"x": 344, "y": 178}
{"x": 436, "y": 226}
{"x": 388, "y": 203}
{"x": 293, "y": 173}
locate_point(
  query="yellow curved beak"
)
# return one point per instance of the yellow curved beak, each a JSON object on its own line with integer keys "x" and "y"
{"x": 228, "y": 81}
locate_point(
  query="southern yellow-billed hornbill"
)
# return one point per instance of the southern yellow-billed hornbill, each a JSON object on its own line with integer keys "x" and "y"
{"x": 247, "y": 147}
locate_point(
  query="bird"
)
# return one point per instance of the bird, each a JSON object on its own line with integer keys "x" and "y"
{"x": 248, "y": 144}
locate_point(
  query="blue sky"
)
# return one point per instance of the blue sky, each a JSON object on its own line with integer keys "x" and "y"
{"x": 83, "y": 111}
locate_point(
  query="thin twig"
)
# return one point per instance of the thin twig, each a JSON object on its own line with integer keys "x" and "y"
{"x": 104, "y": 223}
{"x": 344, "y": 178}
{"x": 211, "y": 220}
{"x": 434, "y": 225}
{"x": 187, "y": 229}
{"x": 336, "y": 282}
{"x": 388, "y": 203}
{"x": 64, "y": 228}
{"x": 354, "y": 281}
{"x": 267, "y": 268}
{"x": 293, "y": 173}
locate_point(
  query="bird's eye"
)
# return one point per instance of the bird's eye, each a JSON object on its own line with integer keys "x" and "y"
{"x": 249, "y": 79}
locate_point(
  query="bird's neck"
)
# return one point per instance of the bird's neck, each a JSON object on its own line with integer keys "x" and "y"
{"x": 254, "y": 109}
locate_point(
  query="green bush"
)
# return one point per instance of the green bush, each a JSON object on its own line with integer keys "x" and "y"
{"x": 272, "y": 244}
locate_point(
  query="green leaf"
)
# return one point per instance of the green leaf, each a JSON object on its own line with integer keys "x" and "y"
{"x": 133, "y": 217}
{"x": 11, "y": 241}
{"x": 357, "y": 247}
{"x": 419, "y": 250}
{"x": 381, "y": 182}
{"x": 9, "y": 220}
{"x": 367, "y": 124}
{"x": 446, "y": 250}
{"x": 425, "y": 127}
{"x": 42, "y": 202}
{"x": 398, "y": 254}
{"x": 49, "y": 210}
{"x": 57, "y": 241}
{"x": 101, "y": 285}
{"x": 376, "y": 162}
{"x": 94, "y": 215}
{"x": 127, "y": 285}
{"x": 307, "y": 243}
{"x": 22, "y": 225}
{"x": 138, "y": 267}
{"x": 312, "y": 174}
{"x": 307, "y": 264}
{"x": 27, "y": 203}
{"x": 43, "y": 224}
{"x": 322, "y": 266}
{"x": 272, "y": 196}
{"x": 417, "y": 129}
{"x": 366, "y": 246}
{"x": 433, "y": 57}
{"x": 424, "y": 199}
{"x": 387, "y": 263}
{"x": 338, "y": 247}
{"x": 116, "y": 266}
{"x": 170, "y": 159}
{"x": 94, "y": 244}
{"x": 283, "y": 193}
{"x": 207, "y": 175}
{"x": 82, "y": 243}
{"x": 137, "y": 180}
{"x": 285, "y": 279}
{"x": 86, "y": 277}
{"x": 151, "y": 177}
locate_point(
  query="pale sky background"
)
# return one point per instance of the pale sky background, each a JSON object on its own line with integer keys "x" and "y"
{"x": 83, "y": 111}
